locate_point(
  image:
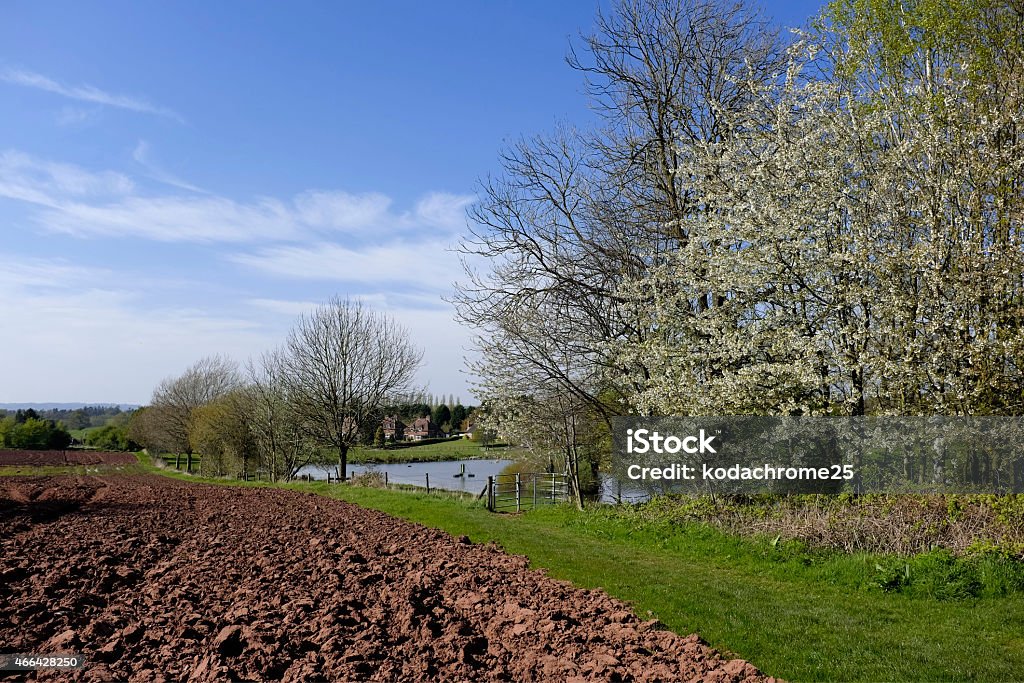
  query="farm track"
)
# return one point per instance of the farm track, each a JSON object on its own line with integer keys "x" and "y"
{"x": 155, "y": 579}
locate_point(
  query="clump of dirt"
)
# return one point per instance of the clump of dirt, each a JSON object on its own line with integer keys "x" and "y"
{"x": 159, "y": 580}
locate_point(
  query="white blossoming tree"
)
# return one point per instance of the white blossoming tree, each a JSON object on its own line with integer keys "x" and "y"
{"x": 858, "y": 248}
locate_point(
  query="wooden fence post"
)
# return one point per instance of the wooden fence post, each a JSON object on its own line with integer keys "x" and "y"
{"x": 518, "y": 496}
{"x": 535, "y": 490}
{"x": 385, "y": 479}
{"x": 428, "y": 482}
{"x": 490, "y": 493}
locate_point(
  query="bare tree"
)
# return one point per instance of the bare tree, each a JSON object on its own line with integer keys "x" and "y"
{"x": 664, "y": 74}
{"x": 176, "y": 400}
{"x": 344, "y": 362}
{"x": 280, "y": 439}
{"x": 146, "y": 427}
{"x": 222, "y": 430}
{"x": 548, "y": 422}
{"x": 576, "y": 215}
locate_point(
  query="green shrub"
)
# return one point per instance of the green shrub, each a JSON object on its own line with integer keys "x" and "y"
{"x": 111, "y": 438}
{"x": 33, "y": 434}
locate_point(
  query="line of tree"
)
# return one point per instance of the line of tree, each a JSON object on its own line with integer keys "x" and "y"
{"x": 431, "y": 400}
{"x": 822, "y": 223}
{"x": 326, "y": 386}
{"x": 25, "y": 429}
{"x": 75, "y": 418}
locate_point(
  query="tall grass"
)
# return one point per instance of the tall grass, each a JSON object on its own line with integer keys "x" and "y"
{"x": 903, "y": 524}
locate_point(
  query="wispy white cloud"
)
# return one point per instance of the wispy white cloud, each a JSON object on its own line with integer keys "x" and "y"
{"x": 115, "y": 347}
{"x": 84, "y": 93}
{"x": 47, "y": 183}
{"x": 283, "y": 306}
{"x": 76, "y": 116}
{"x": 173, "y": 219}
{"x": 82, "y": 203}
{"x": 22, "y": 273}
{"x": 361, "y": 213}
{"x": 141, "y": 154}
{"x": 403, "y": 300}
{"x": 431, "y": 325}
{"x": 396, "y": 260}
{"x": 445, "y": 344}
{"x": 425, "y": 263}
{"x": 336, "y": 210}
{"x": 379, "y": 301}
{"x": 78, "y": 202}
{"x": 443, "y": 210}
{"x": 118, "y": 342}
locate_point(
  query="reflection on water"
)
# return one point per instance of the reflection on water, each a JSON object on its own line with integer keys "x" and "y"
{"x": 444, "y": 475}
{"x": 450, "y": 475}
{"x": 614, "y": 491}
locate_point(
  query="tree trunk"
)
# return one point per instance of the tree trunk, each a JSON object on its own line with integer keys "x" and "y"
{"x": 343, "y": 462}
{"x": 573, "y": 470}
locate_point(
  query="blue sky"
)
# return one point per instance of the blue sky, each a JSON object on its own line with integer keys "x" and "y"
{"x": 181, "y": 179}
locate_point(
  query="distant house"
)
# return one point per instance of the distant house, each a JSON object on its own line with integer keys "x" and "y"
{"x": 394, "y": 428}
{"x": 421, "y": 428}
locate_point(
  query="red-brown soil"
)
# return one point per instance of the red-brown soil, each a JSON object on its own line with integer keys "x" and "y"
{"x": 159, "y": 580}
{"x": 36, "y": 458}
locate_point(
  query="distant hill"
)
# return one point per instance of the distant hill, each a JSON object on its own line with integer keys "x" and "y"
{"x": 64, "y": 406}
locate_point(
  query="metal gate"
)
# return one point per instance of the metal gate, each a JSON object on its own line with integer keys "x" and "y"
{"x": 526, "y": 490}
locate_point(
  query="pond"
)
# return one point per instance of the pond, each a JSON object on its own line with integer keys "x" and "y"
{"x": 442, "y": 474}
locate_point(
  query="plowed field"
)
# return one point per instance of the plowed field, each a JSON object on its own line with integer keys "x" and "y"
{"x": 153, "y": 579}
{"x": 36, "y": 458}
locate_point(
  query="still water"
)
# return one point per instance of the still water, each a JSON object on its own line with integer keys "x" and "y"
{"x": 614, "y": 491}
{"x": 442, "y": 474}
